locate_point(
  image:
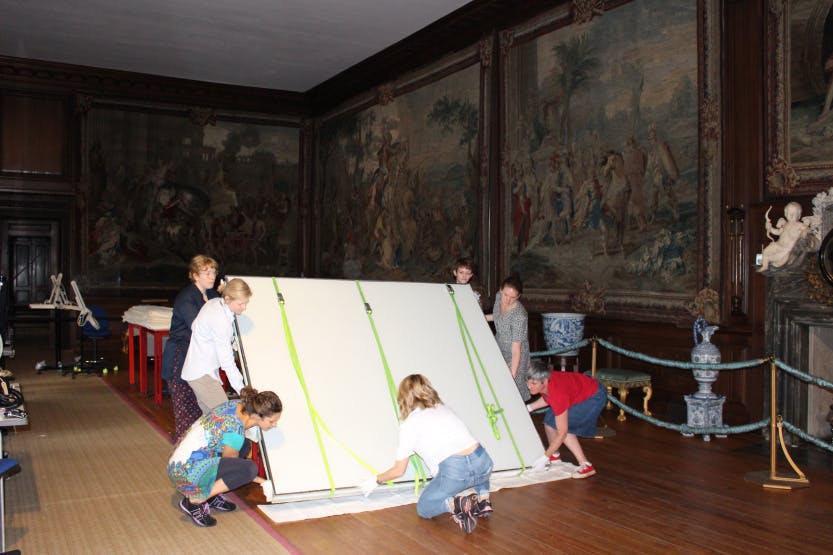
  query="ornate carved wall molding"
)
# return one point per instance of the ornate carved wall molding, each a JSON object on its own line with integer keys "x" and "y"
{"x": 125, "y": 84}
{"x": 781, "y": 178}
{"x": 507, "y": 37}
{"x": 83, "y": 103}
{"x": 202, "y": 116}
{"x": 486, "y": 52}
{"x": 710, "y": 119}
{"x": 585, "y": 10}
{"x": 385, "y": 93}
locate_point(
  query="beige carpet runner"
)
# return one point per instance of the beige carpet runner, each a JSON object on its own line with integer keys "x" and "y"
{"x": 93, "y": 480}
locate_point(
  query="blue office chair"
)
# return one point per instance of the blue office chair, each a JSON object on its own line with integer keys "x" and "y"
{"x": 97, "y": 363}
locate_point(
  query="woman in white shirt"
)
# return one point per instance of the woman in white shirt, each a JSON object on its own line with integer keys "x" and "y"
{"x": 210, "y": 347}
{"x": 456, "y": 460}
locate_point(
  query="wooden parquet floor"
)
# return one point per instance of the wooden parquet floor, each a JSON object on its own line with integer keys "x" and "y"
{"x": 655, "y": 492}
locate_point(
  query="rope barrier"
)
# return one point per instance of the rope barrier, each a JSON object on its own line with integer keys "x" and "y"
{"x": 578, "y": 345}
{"x": 821, "y": 382}
{"x": 684, "y": 428}
{"x": 806, "y": 437}
{"x": 679, "y": 364}
{"x": 653, "y": 360}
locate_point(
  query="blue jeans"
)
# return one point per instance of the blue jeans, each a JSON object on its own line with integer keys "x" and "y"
{"x": 456, "y": 473}
{"x": 582, "y": 417}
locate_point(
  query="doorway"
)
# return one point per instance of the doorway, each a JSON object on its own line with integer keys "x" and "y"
{"x": 30, "y": 269}
{"x": 30, "y": 254}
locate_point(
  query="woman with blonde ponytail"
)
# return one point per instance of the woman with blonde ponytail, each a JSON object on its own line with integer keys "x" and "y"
{"x": 210, "y": 348}
{"x": 456, "y": 459}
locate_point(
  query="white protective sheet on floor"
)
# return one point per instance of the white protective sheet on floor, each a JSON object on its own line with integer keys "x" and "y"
{"x": 339, "y": 415}
{"x": 386, "y": 497}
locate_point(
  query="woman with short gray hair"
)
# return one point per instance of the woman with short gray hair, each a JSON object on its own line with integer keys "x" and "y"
{"x": 573, "y": 403}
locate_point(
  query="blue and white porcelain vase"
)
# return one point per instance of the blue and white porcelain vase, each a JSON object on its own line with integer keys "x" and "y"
{"x": 562, "y": 329}
{"x": 705, "y": 352}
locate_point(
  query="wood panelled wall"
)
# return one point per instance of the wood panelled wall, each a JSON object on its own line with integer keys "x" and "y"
{"x": 41, "y": 148}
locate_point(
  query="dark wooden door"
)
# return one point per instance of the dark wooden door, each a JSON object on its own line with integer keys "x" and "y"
{"x": 31, "y": 267}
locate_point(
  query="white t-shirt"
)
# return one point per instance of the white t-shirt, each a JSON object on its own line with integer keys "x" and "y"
{"x": 210, "y": 347}
{"x": 434, "y": 434}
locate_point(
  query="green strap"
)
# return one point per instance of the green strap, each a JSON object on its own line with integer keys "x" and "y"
{"x": 493, "y": 410}
{"x": 420, "y": 472}
{"x": 315, "y": 417}
{"x": 388, "y": 376}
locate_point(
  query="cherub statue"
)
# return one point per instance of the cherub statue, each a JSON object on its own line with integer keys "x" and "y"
{"x": 788, "y": 231}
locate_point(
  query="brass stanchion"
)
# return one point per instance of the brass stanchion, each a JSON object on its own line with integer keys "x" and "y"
{"x": 601, "y": 431}
{"x": 593, "y": 351}
{"x": 771, "y": 479}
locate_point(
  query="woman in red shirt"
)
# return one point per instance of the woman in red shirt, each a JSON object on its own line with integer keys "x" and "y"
{"x": 574, "y": 402}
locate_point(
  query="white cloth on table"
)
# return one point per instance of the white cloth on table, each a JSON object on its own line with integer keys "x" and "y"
{"x": 149, "y": 316}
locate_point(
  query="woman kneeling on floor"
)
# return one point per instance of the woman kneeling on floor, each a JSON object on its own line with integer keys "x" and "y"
{"x": 210, "y": 459}
{"x": 456, "y": 460}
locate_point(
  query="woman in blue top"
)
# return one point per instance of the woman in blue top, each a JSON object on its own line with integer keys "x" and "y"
{"x": 210, "y": 459}
{"x": 203, "y": 272}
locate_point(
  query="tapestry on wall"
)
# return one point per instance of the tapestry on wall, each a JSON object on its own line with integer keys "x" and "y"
{"x": 397, "y": 184}
{"x": 601, "y": 147}
{"x": 162, "y": 189}
{"x": 799, "y": 97}
{"x": 810, "y": 82}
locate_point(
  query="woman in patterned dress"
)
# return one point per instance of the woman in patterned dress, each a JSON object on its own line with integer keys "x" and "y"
{"x": 512, "y": 331}
{"x": 210, "y": 459}
{"x": 203, "y": 272}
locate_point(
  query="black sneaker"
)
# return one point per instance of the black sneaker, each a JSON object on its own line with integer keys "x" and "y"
{"x": 221, "y": 504}
{"x": 200, "y": 514}
{"x": 482, "y": 508}
{"x": 462, "y": 515}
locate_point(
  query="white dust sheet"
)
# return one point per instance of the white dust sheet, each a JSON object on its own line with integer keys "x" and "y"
{"x": 385, "y": 497}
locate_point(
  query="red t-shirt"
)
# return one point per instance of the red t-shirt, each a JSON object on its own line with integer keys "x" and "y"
{"x": 566, "y": 389}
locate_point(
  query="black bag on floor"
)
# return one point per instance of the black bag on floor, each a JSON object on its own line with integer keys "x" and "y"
{"x": 10, "y": 398}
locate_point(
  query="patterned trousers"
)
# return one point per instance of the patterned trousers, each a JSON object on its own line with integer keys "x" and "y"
{"x": 186, "y": 409}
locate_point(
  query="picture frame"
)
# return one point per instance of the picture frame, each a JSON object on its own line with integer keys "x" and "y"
{"x": 653, "y": 261}
{"x": 799, "y": 92}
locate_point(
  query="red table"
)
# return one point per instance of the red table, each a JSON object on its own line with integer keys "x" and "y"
{"x": 158, "y": 334}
